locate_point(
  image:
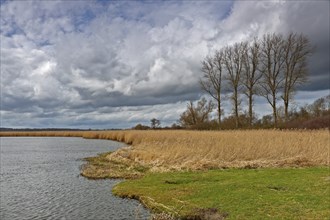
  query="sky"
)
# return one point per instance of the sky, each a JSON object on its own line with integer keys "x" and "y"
{"x": 114, "y": 64}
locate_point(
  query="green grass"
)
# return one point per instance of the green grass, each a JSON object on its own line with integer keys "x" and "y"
{"x": 287, "y": 193}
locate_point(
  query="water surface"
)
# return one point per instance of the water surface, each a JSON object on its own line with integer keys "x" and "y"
{"x": 40, "y": 180}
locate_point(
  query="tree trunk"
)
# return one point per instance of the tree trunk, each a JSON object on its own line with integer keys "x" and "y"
{"x": 250, "y": 109}
{"x": 236, "y": 107}
{"x": 219, "y": 114}
{"x": 274, "y": 111}
{"x": 286, "y": 110}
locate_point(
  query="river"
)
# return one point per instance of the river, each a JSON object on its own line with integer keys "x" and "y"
{"x": 40, "y": 180}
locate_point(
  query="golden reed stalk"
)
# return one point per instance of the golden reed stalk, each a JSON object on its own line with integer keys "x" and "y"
{"x": 164, "y": 150}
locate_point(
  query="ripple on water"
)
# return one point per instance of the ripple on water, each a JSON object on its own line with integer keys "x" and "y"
{"x": 39, "y": 181}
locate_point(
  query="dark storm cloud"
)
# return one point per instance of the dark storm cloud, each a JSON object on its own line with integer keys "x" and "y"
{"x": 117, "y": 99}
{"x": 312, "y": 19}
{"x": 319, "y": 77}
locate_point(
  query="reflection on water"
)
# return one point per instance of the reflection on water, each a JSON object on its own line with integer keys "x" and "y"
{"x": 40, "y": 180}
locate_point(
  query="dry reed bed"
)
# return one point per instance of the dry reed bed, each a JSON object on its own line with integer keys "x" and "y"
{"x": 179, "y": 150}
{"x": 204, "y": 149}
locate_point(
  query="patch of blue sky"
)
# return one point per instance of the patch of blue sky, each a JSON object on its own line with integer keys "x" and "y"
{"x": 83, "y": 19}
{"x": 228, "y": 9}
{"x": 104, "y": 2}
{"x": 4, "y": 2}
{"x": 142, "y": 10}
{"x": 13, "y": 30}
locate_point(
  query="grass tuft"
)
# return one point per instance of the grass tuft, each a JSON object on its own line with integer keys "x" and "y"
{"x": 100, "y": 167}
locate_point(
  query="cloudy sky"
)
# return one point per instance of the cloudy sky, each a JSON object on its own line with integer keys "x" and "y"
{"x": 113, "y": 64}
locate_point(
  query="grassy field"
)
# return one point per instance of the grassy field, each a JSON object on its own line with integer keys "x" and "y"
{"x": 268, "y": 193}
{"x": 251, "y": 174}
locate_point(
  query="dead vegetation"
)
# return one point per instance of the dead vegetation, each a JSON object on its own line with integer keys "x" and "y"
{"x": 100, "y": 167}
{"x": 198, "y": 150}
{"x": 195, "y": 150}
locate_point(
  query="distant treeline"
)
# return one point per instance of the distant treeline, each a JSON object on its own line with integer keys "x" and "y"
{"x": 197, "y": 117}
{"x": 50, "y": 129}
{"x": 40, "y": 129}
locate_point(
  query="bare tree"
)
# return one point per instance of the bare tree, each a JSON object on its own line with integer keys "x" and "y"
{"x": 251, "y": 74}
{"x": 271, "y": 67}
{"x": 195, "y": 115}
{"x": 272, "y": 62}
{"x": 233, "y": 60}
{"x": 296, "y": 50}
{"x": 211, "y": 81}
{"x": 320, "y": 107}
{"x": 155, "y": 123}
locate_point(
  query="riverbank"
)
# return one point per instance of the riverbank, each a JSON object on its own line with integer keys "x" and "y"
{"x": 266, "y": 193}
{"x": 227, "y": 174}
